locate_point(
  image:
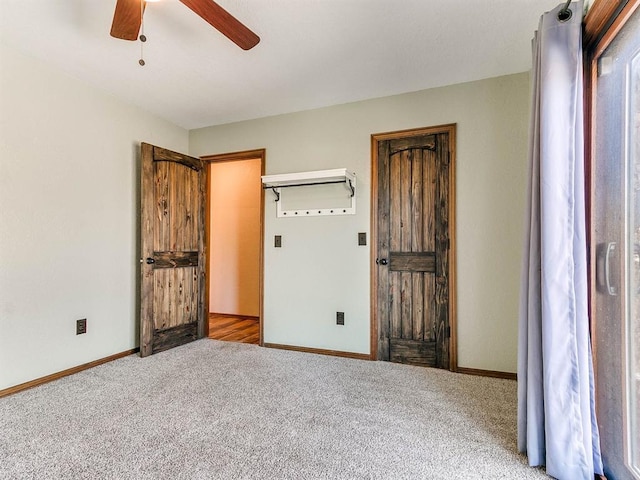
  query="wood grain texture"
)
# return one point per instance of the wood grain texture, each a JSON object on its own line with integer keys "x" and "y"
{"x": 418, "y": 213}
{"x": 413, "y": 231}
{"x": 127, "y": 19}
{"x": 174, "y": 302}
{"x": 172, "y": 234}
{"x": 429, "y": 244}
{"x": 174, "y": 336}
{"x": 417, "y": 303}
{"x": 417, "y": 245}
{"x": 163, "y": 155}
{"x": 412, "y": 142}
{"x": 442, "y": 252}
{"x": 175, "y": 259}
{"x": 406, "y": 202}
{"x": 381, "y": 276}
{"x": 395, "y": 245}
{"x": 429, "y": 202}
{"x": 260, "y": 153}
{"x": 160, "y": 304}
{"x": 234, "y": 328}
{"x": 406, "y": 305}
{"x": 412, "y": 261}
{"x": 224, "y": 22}
{"x": 600, "y": 17}
{"x": 408, "y": 214}
{"x": 450, "y": 130}
{"x": 161, "y": 199}
{"x": 147, "y": 246}
{"x": 413, "y": 352}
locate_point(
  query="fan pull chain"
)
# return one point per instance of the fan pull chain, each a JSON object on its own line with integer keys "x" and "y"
{"x": 143, "y": 37}
{"x": 142, "y": 40}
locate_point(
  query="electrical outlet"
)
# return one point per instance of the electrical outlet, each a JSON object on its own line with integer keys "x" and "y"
{"x": 339, "y": 318}
{"x": 277, "y": 241}
{"x": 362, "y": 238}
{"x": 81, "y": 326}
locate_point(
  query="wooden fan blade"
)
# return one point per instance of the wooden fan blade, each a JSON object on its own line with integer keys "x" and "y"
{"x": 127, "y": 19}
{"x": 226, "y": 23}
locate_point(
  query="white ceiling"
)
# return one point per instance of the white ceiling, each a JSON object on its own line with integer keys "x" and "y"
{"x": 312, "y": 53}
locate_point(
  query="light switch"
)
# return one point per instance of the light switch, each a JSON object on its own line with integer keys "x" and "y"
{"x": 277, "y": 241}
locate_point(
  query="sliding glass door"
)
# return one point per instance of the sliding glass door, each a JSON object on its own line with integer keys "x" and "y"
{"x": 616, "y": 245}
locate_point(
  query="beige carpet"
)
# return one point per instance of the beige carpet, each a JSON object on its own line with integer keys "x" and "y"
{"x": 220, "y": 410}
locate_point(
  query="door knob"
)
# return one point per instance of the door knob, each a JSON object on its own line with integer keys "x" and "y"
{"x": 381, "y": 261}
{"x": 150, "y": 260}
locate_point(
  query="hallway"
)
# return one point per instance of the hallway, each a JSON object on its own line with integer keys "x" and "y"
{"x": 234, "y": 328}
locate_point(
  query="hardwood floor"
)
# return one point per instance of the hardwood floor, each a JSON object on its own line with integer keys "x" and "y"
{"x": 234, "y": 328}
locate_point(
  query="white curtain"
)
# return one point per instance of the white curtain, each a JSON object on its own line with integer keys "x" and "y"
{"x": 556, "y": 412}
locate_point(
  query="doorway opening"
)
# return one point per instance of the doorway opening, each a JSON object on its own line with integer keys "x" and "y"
{"x": 234, "y": 233}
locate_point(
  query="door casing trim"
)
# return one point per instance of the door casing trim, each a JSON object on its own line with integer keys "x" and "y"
{"x": 376, "y": 138}
{"x": 260, "y": 153}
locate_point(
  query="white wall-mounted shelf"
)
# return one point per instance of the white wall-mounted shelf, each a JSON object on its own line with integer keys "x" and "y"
{"x": 304, "y": 179}
{"x": 317, "y": 177}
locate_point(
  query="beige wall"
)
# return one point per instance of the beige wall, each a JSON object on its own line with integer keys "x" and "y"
{"x": 234, "y": 260}
{"x": 321, "y": 269}
{"x": 68, "y": 224}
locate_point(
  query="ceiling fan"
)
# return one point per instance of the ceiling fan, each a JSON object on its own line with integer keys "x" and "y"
{"x": 128, "y": 18}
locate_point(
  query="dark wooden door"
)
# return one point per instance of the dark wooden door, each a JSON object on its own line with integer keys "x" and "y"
{"x": 413, "y": 240}
{"x": 173, "y": 256}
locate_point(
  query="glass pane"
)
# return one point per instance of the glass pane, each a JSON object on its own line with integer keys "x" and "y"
{"x": 616, "y": 237}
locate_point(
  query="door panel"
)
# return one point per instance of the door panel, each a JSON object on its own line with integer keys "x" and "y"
{"x": 413, "y": 249}
{"x": 615, "y": 240}
{"x": 172, "y": 239}
{"x": 442, "y": 240}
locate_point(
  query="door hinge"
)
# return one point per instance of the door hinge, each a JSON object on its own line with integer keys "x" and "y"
{"x": 448, "y": 244}
{"x": 447, "y": 332}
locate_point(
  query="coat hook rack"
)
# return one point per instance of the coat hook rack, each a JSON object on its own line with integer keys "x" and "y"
{"x": 305, "y": 179}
